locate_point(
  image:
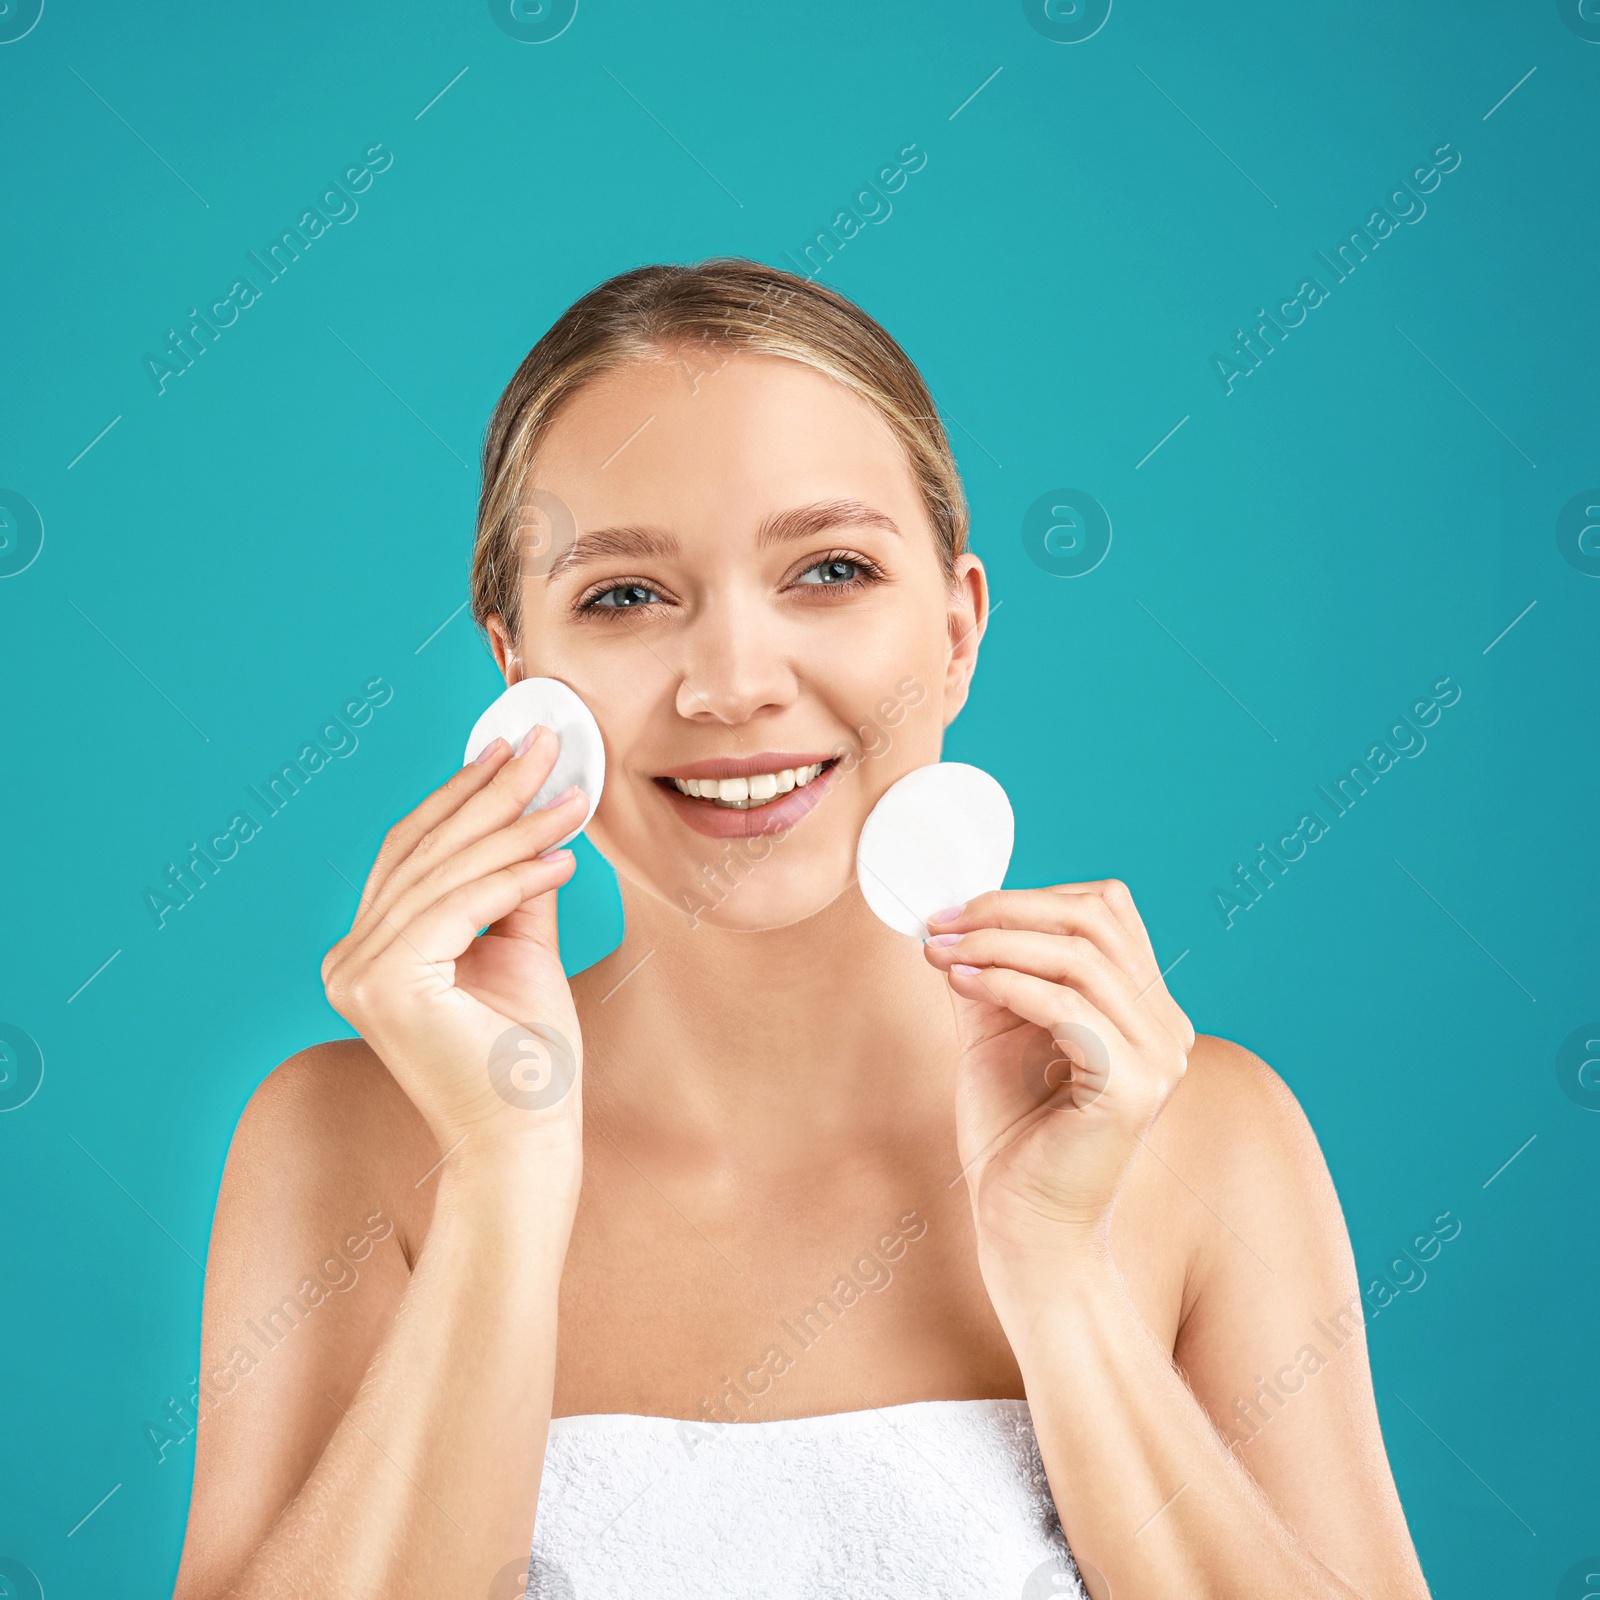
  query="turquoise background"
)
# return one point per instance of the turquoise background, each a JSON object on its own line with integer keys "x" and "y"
{"x": 1289, "y": 571}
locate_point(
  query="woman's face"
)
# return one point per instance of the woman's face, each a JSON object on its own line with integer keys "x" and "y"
{"x": 753, "y": 591}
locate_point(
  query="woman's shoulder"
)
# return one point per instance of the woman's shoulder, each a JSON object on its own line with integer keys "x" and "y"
{"x": 1231, "y": 1103}
{"x": 333, "y": 1091}
{"x": 330, "y": 1131}
{"x": 1225, "y": 1077}
{"x": 1236, "y": 1152}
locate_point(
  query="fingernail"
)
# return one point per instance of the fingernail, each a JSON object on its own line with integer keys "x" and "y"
{"x": 949, "y": 914}
{"x": 487, "y": 751}
{"x": 946, "y": 938}
{"x": 966, "y": 972}
{"x": 556, "y": 855}
{"x": 561, "y": 799}
{"x": 529, "y": 737}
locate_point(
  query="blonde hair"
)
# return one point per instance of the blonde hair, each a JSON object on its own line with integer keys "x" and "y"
{"x": 725, "y": 304}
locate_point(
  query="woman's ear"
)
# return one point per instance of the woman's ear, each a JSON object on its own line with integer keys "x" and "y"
{"x": 966, "y": 619}
{"x": 505, "y": 651}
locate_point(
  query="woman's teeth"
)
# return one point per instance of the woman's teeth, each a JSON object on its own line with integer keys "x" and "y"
{"x": 743, "y": 793}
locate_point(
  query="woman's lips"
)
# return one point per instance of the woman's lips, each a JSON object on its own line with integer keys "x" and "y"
{"x": 728, "y": 822}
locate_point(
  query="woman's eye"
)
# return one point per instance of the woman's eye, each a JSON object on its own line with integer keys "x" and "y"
{"x": 621, "y": 597}
{"x": 836, "y": 570}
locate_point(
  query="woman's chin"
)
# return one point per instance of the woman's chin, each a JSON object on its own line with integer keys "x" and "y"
{"x": 755, "y": 886}
{"x": 792, "y": 883}
{"x": 747, "y": 908}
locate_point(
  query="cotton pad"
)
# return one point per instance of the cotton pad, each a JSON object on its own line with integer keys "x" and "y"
{"x": 939, "y": 836}
{"x": 581, "y": 759}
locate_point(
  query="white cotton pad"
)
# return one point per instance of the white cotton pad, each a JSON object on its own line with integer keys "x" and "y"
{"x": 939, "y": 836}
{"x": 581, "y": 759}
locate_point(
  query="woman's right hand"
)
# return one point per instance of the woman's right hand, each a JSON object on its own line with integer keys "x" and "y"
{"x": 478, "y": 1029}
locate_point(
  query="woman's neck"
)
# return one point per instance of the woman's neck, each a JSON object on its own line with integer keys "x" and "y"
{"x": 832, "y": 1027}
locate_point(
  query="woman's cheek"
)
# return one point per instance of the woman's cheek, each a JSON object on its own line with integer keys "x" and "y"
{"x": 874, "y": 740}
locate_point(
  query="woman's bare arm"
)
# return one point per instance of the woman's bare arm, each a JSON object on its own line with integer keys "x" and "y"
{"x": 366, "y": 1428}
{"x": 391, "y": 1445}
{"x": 1251, "y": 1463}
{"x": 1075, "y": 1067}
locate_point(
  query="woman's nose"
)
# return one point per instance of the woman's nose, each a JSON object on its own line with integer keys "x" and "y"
{"x": 733, "y": 665}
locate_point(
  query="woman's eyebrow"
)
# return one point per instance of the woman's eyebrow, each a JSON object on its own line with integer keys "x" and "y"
{"x": 782, "y": 527}
{"x": 804, "y": 522}
{"x": 602, "y": 543}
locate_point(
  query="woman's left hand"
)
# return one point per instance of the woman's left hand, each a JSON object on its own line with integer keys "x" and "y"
{"x": 1070, "y": 1047}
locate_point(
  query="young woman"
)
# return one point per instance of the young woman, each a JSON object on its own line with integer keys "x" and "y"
{"x": 777, "y": 1253}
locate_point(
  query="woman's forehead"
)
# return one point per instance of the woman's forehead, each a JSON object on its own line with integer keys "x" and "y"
{"x": 753, "y": 408}
{"x": 759, "y": 436}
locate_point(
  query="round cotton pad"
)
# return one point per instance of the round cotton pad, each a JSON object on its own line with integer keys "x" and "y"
{"x": 939, "y": 836}
{"x": 582, "y": 757}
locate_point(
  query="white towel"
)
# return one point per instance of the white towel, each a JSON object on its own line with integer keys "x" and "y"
{"x": 935, "y": 1500}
